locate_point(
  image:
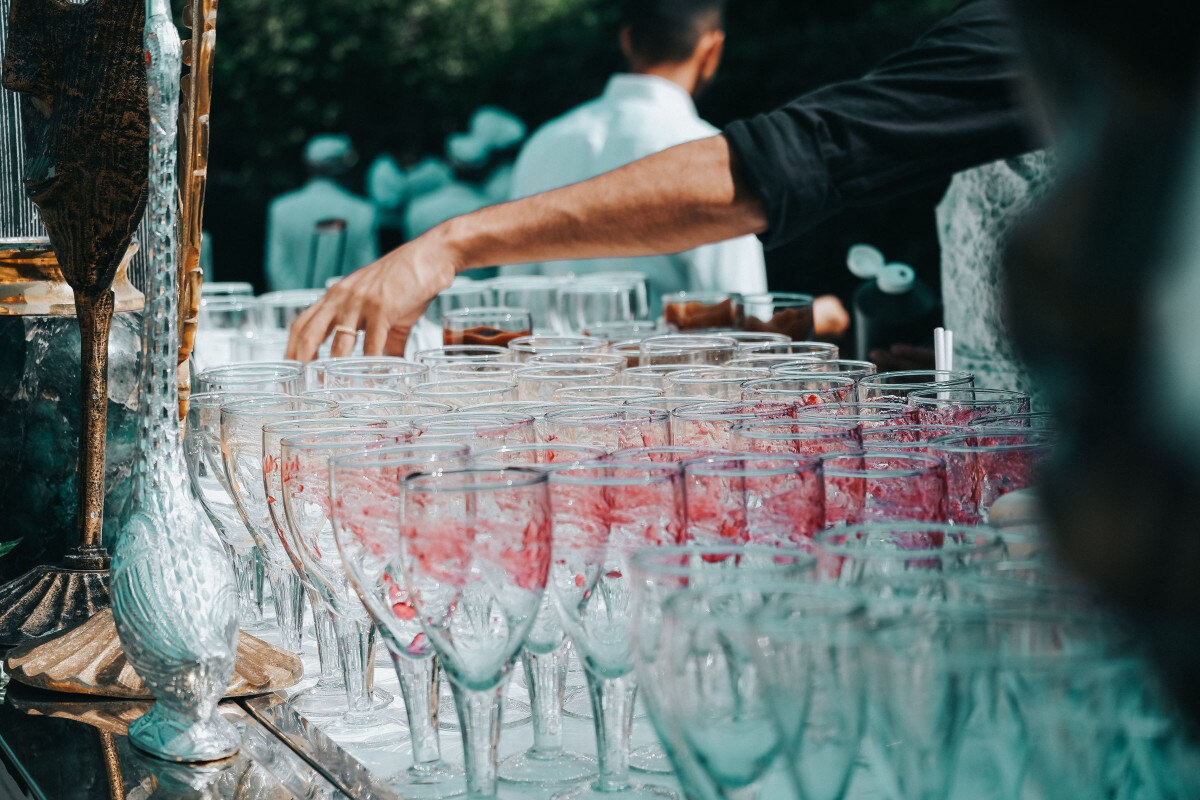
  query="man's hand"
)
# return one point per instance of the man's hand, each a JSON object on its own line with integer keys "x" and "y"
{"x": 384, "y": 299}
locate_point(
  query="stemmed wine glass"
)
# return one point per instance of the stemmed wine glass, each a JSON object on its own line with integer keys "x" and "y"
{"x": 365, "y": 490}
{"x": 476, "y": 557}
{"x": 246, "y": 469}
{"x": 603, "y": 512}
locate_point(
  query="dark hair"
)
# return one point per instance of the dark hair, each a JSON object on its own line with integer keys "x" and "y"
{"x": 667, "y": 31}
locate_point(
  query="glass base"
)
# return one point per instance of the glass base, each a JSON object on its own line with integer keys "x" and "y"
{"x": 516, "y": 714}
{"x": 429, "y": 782}
{"x": 578, "y": 705}
{"x": 329, "y": 700}
{"x": 650, "y": 758}
{"x": 552, "y": 770}
{"x": 634, "y": 791}
{"x": 367, "y": 729}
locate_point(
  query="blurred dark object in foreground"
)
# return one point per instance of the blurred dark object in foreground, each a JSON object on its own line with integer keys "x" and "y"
{"x": 1119, "y": 90}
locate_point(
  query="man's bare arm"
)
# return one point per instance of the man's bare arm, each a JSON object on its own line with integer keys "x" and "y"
{"x": 675, "y": 200}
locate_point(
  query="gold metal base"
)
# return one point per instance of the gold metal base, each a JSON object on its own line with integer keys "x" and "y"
{"x": 50, "y": 599}
{"x": 88, "y": 660}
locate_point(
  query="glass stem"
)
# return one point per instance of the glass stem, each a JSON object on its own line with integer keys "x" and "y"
{"x": 327, "y": 643}
{"x": 479, "y": 718}
{"x": 612, "y": 706}
{"x": 545, "y": 678}
{"x": 419, "y": 686}
{"x": 243, "y": 573}
{"x": 260, "y": 581}
{"x": 289, "y": 607}
{"x": 356, "y": 648}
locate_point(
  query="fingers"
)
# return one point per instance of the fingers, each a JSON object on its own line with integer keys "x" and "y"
{"x": 310, "y": 329}
{"x": 397, "y": 341}
{"x": 376, "y": 337}
{"x": 345, "y": 337}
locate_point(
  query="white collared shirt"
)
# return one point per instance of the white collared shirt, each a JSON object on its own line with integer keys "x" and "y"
{"x": 637, "y": 115}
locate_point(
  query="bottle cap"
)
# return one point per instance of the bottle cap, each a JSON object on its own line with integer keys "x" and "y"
{"x": 864, "y": 260}
{"x": 896, "y": 278}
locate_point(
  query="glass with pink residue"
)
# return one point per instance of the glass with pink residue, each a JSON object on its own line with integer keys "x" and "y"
{"x": 752, "y": 498}
{"x": 876, "y": 486}
{"x": 964, "y": 406}
{"x": 814, "y": 437}
{"x": 983, "y": 466}
{"x": 609, "y": 427}
{"x": 710, "y": 425}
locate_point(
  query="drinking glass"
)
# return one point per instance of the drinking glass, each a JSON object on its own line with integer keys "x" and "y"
{"x": 476, "y": 430}
{"x": 353, "y": 396}
{"x": 460, "y": 393}
{"x": 810, "y": 649}
{"x": 907, "y": 438}
{"x": 366, "y": 491}
{"x": 877, "y": 486}
{"x": 781, "y": 312}
{"x": 382, "y": 372}
{"x": 964, "y": 406}
{"x": 395, "y": 411}
{"x": 603, "y": 513}
{"x": 526, "y": 347}
{"x": 220, "y": 322}
{"x": 983, "y": 466}
{"x": 285, "y": 377}
{"x": 206, "y": 472}
{"x": 476, "y": 557}
{"x": 625, "y": 331}
{"x": 803, "y": 390}
{"x": 544, "y": 658}
{"x": 278, "y": 310}
{"x": 615, "y": 393}
{"x": 496, "y": 326}
{"x": 463, "y": 353}
{"x": 724, "y": 383}
{"x": 867, "y": 415}
{"x": 692, "y": 311}
{"x": 814, "y": 437}
{"x": 578, "y": 360}
{"x": 902, "y": 561}
{"x": 669, "y": 403}
{"x": 314, "y": 371}
{"x": 463, "y": 293}
{"x": 679, "y": 348}
{"x": 1037, "y": 420}
{"x": 750, "y": 339}
{"x": 473, "y": 370}
{"x": 246, "y": 470}
{"x": 652, "y": 376}
{"x": 609, "y": 428}
{"x": 307, "y": 530}
{"x": 839, "y": 366}
{"x": 895, "y": 387}
{"x": 633, "y": 282}
{"x": 540, "y": 383}
{"x": 818, "y": 350}
{"x": 328, "y": 695}
{"x": 771, "y": 361}
{"x": 709, "y": 425}
{"x": 752, "y": 498}
{"x": 216, "y": 290}
{"x": 584, "y": 304}
{"x": 538, "y": 293}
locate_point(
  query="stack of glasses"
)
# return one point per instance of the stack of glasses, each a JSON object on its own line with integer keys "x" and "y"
{"x": 813, "y": 573}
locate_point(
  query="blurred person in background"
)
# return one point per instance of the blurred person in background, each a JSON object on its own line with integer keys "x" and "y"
{"x": 321, "y": 230}
{"x": 673, "y": 48}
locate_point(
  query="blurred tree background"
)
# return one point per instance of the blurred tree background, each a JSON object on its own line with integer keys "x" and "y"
{"x": 400, "y": 75}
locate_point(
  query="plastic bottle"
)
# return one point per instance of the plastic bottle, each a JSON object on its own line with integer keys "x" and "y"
{"x": 892, "y": 306}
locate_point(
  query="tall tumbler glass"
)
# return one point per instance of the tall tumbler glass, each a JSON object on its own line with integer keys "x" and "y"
{"x": 526, "y": 347}
{"x": 724, "y": 383}
{"x": 749, "y": 498}
{"x": 708, "y": 425}
{"x": 583, "y": 305}
{"x": 788, "y": 313}
{"x": 838, "y": 366}
{"x": 476, "y": 430}
{"x": 895, "y": 387}
{"x": 804, "y": 390}
{"x": 460, "y": 393}
{"x": 544, "y": 658}
{"x": 748, "y": 359}
{"x": 476, "y": 547}
{"x": 602, "y": 514}
{"x": 679, "y": 348}
{"x": 813, "y": 349}
{"x": 609, "y": 427}
{"x": 867, "y": 415}
{"x": 366, "y": 492}
{"x": 492, "y": 327}
{"x": 964, "y": 406}
{"x": 464, "y": 354}
{"x": 877, "y": 486}
{"x": 613, "y": 393}
{"x": 983, "y": 466}
{"x": 536, "y": 384}
{"x": 538, "y": 293}
{"x": 375, "y": 373}
{"x": 247, "y": 468}
{"x": 697, "y": 311}
{"x": 814, "y": 437}
{"x": 471, "y": 370}
{"x": 395, "y": 410}
{"x": 286, "y": 377}
{"x": 344, "y": 396}
{"x": 572, "y": 359}
{"x": 749, "y": 339}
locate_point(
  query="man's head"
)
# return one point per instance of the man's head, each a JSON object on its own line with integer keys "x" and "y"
{"x": 329, "y": 155}
{"x": 681, "y": 40}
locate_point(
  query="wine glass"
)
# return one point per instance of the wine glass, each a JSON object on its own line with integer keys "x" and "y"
{"x": 609, "y": 427}
{"x": 365, "y": 489}
{"x": 751, "y": 498}
{"x": 476, "y": 557}
{"x": 375, "y": 373}
{"x": 876, "y": 486}
{"x": 602, "y": 513}
{"x": 246, "y": 468}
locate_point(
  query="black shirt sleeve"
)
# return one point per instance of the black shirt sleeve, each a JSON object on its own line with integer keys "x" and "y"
{"x": 949, "y": 102}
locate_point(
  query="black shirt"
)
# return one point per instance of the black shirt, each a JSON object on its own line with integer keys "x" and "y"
{"x": 948, "y": 102}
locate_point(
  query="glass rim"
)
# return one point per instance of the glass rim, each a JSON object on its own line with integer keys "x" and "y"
{"x": 694, "y": 410}
{"x": 447, "y": 349}
{"x": 491, "y": 311}
{"x": 524, "y": 478}
{"x": 647, "y": 560}
{"x": 547, "y": 359}
{"x": 215, "y": 398}
{"x": 473, "y": 421}
{"x": 704, "y": 375}
{"x": 654, "y": 473}
{"x": 384, "y": 394}
{"x": 356, "y": 367}
{"x": 813, "y": 347}
{"x": 313, "y": 442}
{"x": 931, "y": 465}
{"x": 720, "y": 465}
{"x": 633, "y": 453}
{"x": 763, "y": 297}
{"x": 551, "y": 371}
{"x": 246, "y": 408}
{"x": 950, "y": 546}
{"x": 989, "y": 397}
{"x": 563, "y": 416}
{"x": 350, "y": 423}
{"x": 389, "y": 456}
{"x": 833, "y": 377}
{"x": 950, "y": 443}
{"x": 686, "y": 342}
{"x": 952, "y": 376}
{"x": 524, "y": 447}
{"x": 554, "y": 343}
{"x": 695, "y": 296}
{"x": 283, "y": 367}
{"x": 991, "y": 419}
{"x": 454, "y": 382}
{"x": 617, "y": 388}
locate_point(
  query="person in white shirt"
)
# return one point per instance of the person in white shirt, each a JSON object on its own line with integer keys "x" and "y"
{"x": 674, "y": 48}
